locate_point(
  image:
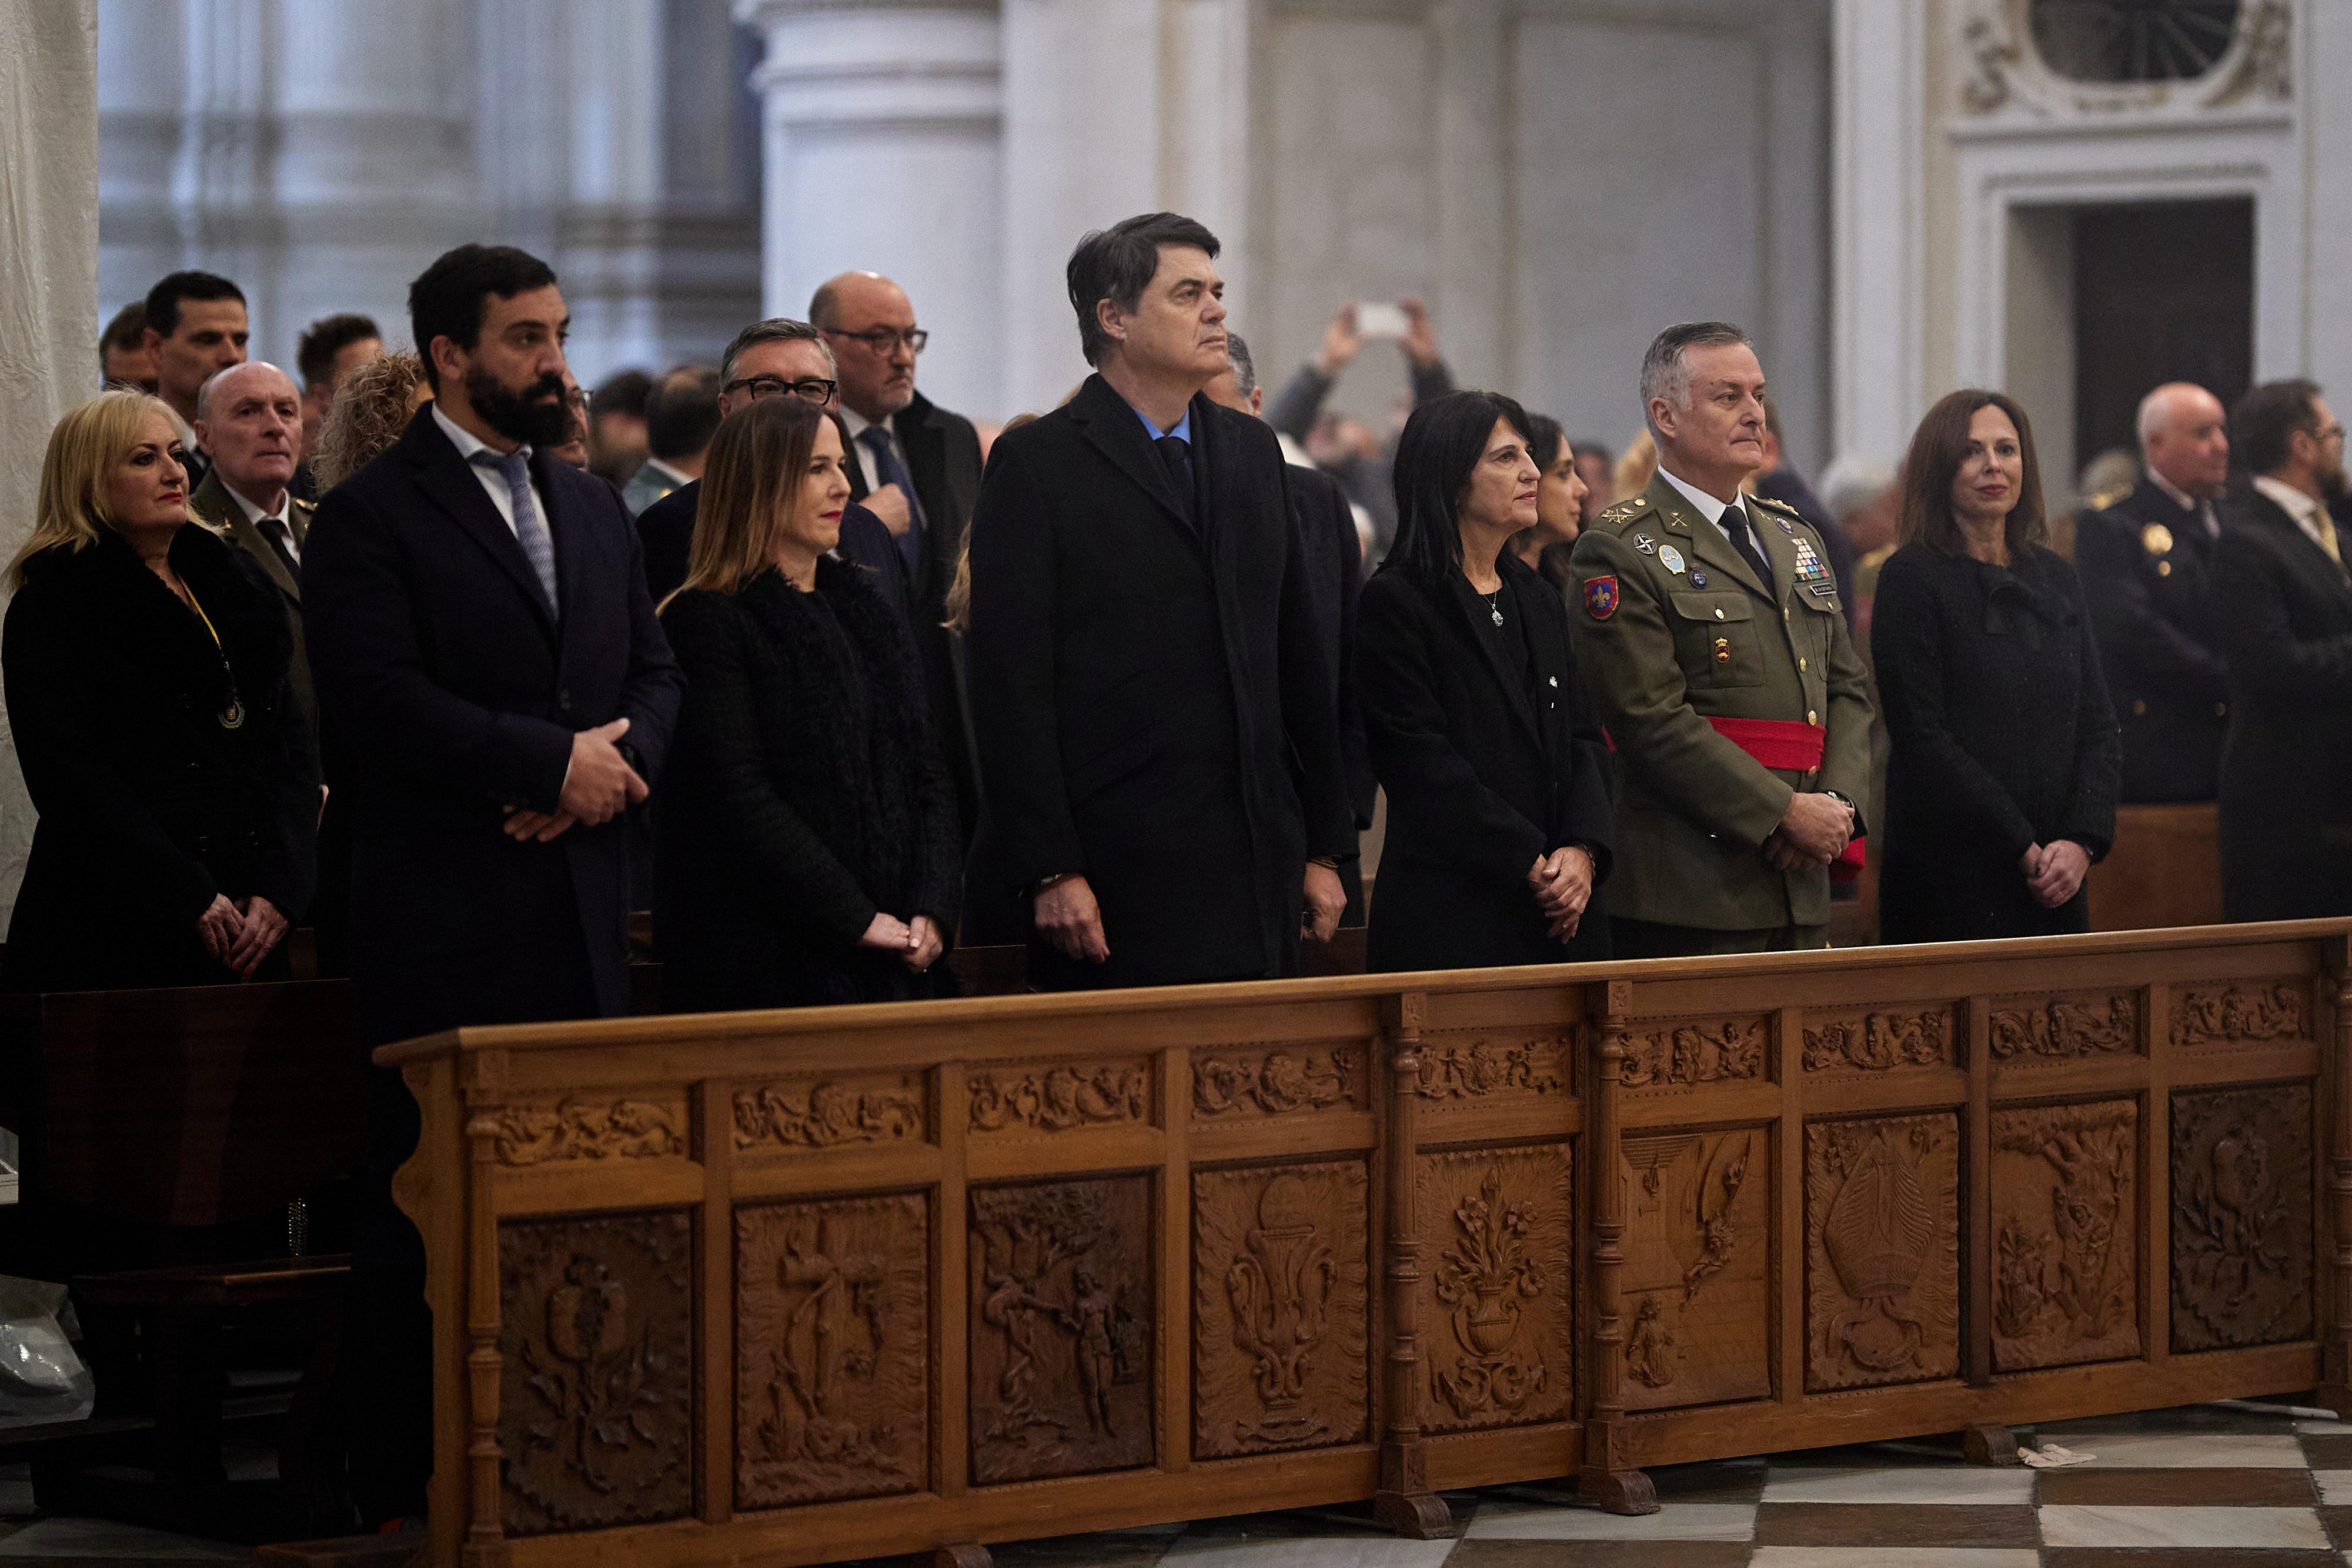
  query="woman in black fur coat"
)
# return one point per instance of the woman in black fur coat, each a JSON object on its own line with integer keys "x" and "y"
{"x": 146, "y": 663}
{"x": 809, "y": 848}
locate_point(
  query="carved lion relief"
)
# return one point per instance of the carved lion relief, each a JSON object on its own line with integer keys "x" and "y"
{"x": 2228, "y": 1015}
{"x": 2065, "y": 1281}
{"x": 1278, "y": 1308}
{"x": 1883, "y": 1250}
{"x": 1056, "y": 1099}
{"x": 540, "y": 1132}
{"x": 595, "y": 1397}
{"x": 1498, "y": 1287}
{"x": 1061, "y": 1315}
{"x": 2058, "y": 1026}
{"x": 1695, "y": 1052}
{"x": 2240, "y": 1217}
{"x": 1880, "y": 1042}
{"x": 1279, "y": 1081}
{"x": 1480, "y": 1066}
{"x": 1693, "y": 1280}
{"x": 830, "y": 1113}
{"x": 832, "y": 1349}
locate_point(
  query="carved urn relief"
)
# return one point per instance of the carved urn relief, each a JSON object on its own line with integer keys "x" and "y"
{"x": 1496, "y": 1323}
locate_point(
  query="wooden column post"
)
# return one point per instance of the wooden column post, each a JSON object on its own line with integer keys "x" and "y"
{"x": 483, "y": 1076}
{"x": 2335, "y": 1344}
{"x": 1608, "y": 1479}
{"x": 1405, "y": 1503}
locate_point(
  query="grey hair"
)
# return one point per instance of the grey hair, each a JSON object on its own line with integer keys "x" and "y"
{"x": 1665, "y": 368}
{"x": 204, "y": 392}
{"x": 1245, "y": 368}
{"x": 774, "y": 329}
{"x": 1854, "y": 484}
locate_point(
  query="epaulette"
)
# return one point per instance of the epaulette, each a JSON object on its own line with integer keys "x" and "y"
{"x": 1776, "y": 504}
{"x": 2105, "y": 498}
{"x": 1625, "y": 512}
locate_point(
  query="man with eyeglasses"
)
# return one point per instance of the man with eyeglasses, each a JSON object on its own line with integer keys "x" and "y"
{"x": 918, "y": 469}
{"x": 775, "y": 357}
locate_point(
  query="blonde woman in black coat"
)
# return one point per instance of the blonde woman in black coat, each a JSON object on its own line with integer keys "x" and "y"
{"x": 1500, "y": 822}
{"x": 810, "y": 851}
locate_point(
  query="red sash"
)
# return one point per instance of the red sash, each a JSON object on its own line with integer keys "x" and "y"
{"x": 1788, "y": 745}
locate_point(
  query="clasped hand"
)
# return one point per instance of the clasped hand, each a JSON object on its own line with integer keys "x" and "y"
{"x": 597, "y": 787}
{"x": 1813, "y": 832}
{"x": 2054, "y": 870}
{"x": 916, "y": 943}
{"x": 240, "y": 935}
{"x": 1562, "y": 884}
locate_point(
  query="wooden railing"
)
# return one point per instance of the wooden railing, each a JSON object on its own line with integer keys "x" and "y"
{"x": 800, "y": 1287}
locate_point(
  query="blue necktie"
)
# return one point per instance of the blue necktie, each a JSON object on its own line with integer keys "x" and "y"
{"x": 888, "y": 470}
{"x": 531, "y": 528}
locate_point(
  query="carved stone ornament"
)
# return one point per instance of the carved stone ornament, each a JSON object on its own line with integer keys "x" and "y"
{"x": 832, "y": 1350}
{"x": 2218, "y": 1015}
{"x": 1877, "y": 1042}
{"x": 596, "y": 1129}
{"x": 1276, "y": 1083}
{"x": 1694, "y": 1052}
{"x": 1056, "y": 1099}
{"x": 1495, "y": 1323}
{"x": 2001, "y": 73}
{"x": 595, "y": 1400}
{"x": 1883, "y": 1256}
{"x": 2241, "y": 1217}
{"x": 2066, "y": 1026}
{"x": 1694, "y": 1276}
{"x": 1481, "y": 1066}
{"x": 2065, "y": 1224}
{"x": 825, "y": 1113}
{"x": 1062, "y": 1304}
{"x": 1278, "y": 1308}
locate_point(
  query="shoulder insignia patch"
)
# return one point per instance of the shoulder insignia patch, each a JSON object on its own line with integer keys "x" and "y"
{"x": 1645, "y": 544}
{"x": 1600, "y": 596}
{"x": 2104, "y": 499}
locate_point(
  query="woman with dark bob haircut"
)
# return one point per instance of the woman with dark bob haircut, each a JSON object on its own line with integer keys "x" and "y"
{"x": 2000, "y": 787}
{"x": 1500, "y": 823}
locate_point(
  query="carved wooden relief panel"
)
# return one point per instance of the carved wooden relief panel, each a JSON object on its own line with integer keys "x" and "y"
{"x": 1498, "y": 1287}
{"x": 1881, "y": 1251}
{"x": 1278, "y": 1308}
{"x": 832, "y": 1349}
{"x": 595, "y": 1398}
{"x": 1484, "y": 1065}
{"x": 1694, "y": 1050}
{"x": 592, "y": 1127}
{"x": 1057, "y": 1098}
{"x": 2027, "y": 1029}
{"x": 1236, "y": 1084}
{"x": 2230, "y": 1015}
{"x": 1062, "y": 1304}
{"x": 1694, "y": 1283}
{"x": 2240, "y": 1217}
{"x": 1875, "y": 1043}
{"x": 830, "y": 1111}
{"x": 2065, "y": 1220}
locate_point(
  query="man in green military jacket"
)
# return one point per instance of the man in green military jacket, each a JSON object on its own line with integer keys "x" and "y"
{"x": 1708, "y": 631}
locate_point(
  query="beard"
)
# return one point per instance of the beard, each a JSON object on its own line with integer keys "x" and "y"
{"x": 2333, "y": 487}
{"x": 516, "y": 415}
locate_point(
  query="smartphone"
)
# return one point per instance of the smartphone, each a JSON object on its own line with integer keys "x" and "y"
{"x": 1381, "y": 322}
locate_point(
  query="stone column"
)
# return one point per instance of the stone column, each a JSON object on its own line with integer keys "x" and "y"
{"x": 1877, "y": 184}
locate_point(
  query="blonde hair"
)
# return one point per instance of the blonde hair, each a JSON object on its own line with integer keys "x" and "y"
{"x": 85, "y": 448}
{"x": 1634, "y": 470}
{"x": 750, "y": 479}
{"x": 959, "y": 599}
{"x": 371, "y": 408}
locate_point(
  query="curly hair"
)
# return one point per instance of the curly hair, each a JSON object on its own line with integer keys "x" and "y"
{"x": 371, "y": 409}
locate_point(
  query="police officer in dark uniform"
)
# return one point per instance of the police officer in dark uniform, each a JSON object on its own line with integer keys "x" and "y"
{"x": 2145, "y": 558}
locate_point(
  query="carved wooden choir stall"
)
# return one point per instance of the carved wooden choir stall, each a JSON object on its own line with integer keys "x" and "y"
{"x": 797, "y": 1287}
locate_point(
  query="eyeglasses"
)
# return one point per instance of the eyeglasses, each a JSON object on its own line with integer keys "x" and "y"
{"x": 882, "y": 340}
{"x": 2328, "y": 434}
{"x": 813, "y": 390}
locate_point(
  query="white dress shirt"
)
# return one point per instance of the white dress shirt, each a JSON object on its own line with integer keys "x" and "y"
{"x": 2303, "y": 508}
{"x": 857, "y": 424}
{"x": 255, "y": 515}
{"x": 1710, "y": 509}
{"x": 2180, "y": 497}
{"x": 494, "y": 483}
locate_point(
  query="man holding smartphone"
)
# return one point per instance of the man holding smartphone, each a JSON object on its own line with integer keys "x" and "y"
{"x": 1358, "y": 459}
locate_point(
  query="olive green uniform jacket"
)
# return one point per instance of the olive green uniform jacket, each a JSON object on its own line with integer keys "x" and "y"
{"x": 217, "y": 509}
{"x": 1662, "y": 652}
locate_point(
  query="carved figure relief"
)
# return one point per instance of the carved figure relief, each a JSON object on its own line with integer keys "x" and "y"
{"x": 832, "y": 1349}
{"x": 531, "y": 1135}
{"x": 1278, "y": 1308}
{"x": 595, "y": 1398}
{"x": 1056, "y": 1099}
{"x": 2090, "y": 63}
{"x": 1277, "y": 1083}
{"x": 2066, "y": 1026}
{"x": 825, "y": 1113}
{"x": 2065, "y": 1283}
{"x": 1694, "y": 1054}
{"x": 2231, "y": 1014}
{"x": 2241, "y": 1217}
{"x": 1882, "y": 1275}
{"x": 1495, "y": 1330}
{"x": 1061, "y": 1329}
{"x": 1694, "y": 1280}
{"x": 1475, "y": 1068}
{"x": 1877, "y": 1042}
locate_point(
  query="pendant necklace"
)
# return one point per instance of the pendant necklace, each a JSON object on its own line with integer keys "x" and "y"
{"x": 1495, "y": 605}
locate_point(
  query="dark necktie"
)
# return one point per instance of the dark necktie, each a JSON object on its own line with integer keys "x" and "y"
{"x": 1176, "y": 452}
{"x": 1737, "y": 525}
{"x": 889, "y": 470}
{"x": 273, "y": 530}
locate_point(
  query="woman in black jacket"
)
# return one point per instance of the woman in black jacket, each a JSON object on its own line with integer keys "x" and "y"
{"x": 2002, "y": 782}
{"x": 809, "y": 848}
{"x": 1500, "y": 820}
{"x": 146, "y": 666}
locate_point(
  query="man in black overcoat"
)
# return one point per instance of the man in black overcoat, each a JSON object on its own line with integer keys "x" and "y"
{"x": 1158, "y": 744}
{"x": 485, "y": 648}
{"x": 2145, "y": 560}
{"x": 2284, "y": 606}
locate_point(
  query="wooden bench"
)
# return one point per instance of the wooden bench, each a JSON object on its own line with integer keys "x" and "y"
{"x": 2164, "y": 869}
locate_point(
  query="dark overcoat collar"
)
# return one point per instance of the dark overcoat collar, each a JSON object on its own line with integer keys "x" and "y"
{"x": 449, "y": 480}
{"x": 1114, "y": 429}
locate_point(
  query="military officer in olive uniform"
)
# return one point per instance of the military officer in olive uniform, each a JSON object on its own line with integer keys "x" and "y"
{"x": 1713, "y": 642}
{"x": 2144, "y": 557}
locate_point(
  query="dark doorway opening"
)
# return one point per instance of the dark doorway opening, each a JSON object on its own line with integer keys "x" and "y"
{"x": 2164, "y": 291}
